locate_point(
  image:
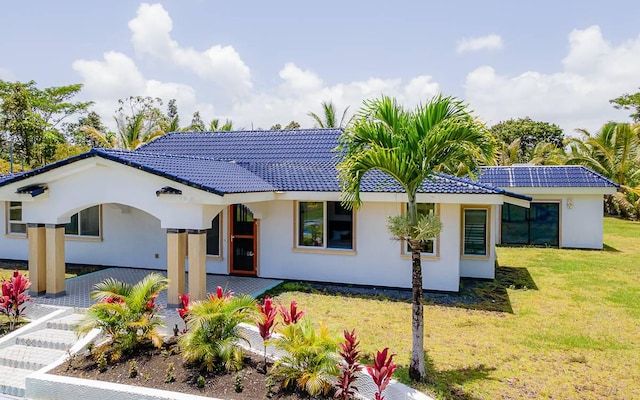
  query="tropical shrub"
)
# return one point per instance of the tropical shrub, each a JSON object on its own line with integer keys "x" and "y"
{"x": 214, "y": 332}
{"x": 14, "y": 296}
{"x": 266, "y": 323}
{"x": 292, "y": 315}
{"x": 311, "y": 360}
{"x": 381, "y": 371}
{"x": 126, "y": 313}
{"x": 183, "y": 311}
{"x": 350, "y": 365}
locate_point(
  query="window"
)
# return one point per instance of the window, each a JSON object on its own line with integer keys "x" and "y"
{"x": 16, "y": 226}
{"x": 476, "y": 238}
{"x": 428, "y": 247}
{"x": 325, "y": 225}
{"x": 538, "y": 226}
{"x": 84, "y": 223}
{"x": 213, "y": 237}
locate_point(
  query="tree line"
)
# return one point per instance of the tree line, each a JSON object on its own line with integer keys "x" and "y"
{"x": 40, "y": 126}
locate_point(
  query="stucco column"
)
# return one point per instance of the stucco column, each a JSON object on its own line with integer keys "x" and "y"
{"x": 175, "y": 265}
{"x": 55, "y": 259}
{"x": 37, "y": 258}
{"x": 197, "y": 263}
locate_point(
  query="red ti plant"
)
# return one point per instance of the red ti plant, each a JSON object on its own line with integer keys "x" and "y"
{"x": 292, "y": 315}
{"x": 221, "y": 294}
{"x": 381, "y": 371}
{"x": 14, "y": 296}
{"x": 350, "y": 354}
{"x": 266, "y": 323}
{"x": 184, "y": 311}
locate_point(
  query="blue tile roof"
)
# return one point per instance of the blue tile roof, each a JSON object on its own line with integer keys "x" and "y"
{"x": 250, "y": 146}
{"x": 258, "y": 161}
{"x": 542, "y": 176}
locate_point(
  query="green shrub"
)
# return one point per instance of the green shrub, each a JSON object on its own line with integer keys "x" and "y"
{"x": 213, "y": 331}
{"x": 126, "y": 313}
{"x": 311, "y": 360}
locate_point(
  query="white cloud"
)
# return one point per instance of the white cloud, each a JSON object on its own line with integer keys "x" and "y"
{"x": 578, "y": 96}
{"x": 118, "y": 77}
{"x": 151, "y": 36}
{"x": 488, "y": 42}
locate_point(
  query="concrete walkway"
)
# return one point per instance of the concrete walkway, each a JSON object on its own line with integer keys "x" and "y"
{"x": 78, "y": 288}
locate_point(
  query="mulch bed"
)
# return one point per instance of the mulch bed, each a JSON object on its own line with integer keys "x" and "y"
{"x": 152, "y": 371}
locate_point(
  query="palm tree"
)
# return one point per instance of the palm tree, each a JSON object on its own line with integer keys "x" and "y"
{"x": 126, "y": 313}
{"x": 215, "y": 125}
{"x": 410, "y": 145}
{"x": 329, "y": 116}
{"x": 137, "y": 130}
{"x": 613, "y": 152}
{"x": 214, "y": 333}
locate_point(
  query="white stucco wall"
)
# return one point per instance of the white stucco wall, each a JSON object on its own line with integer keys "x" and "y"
{"x": 378, "y": 259}
{"x": 484, "y": 268}
{"x": 581, "y": 226}
{"x": 12, "y": 247}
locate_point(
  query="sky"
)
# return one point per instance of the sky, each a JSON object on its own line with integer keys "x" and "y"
{"x": 259, "y": 63}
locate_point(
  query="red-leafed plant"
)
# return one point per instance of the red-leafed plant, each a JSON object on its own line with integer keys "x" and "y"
{"x": 349, "y": 352}
{"x": 221, "y": 294}
{"x": 14, "y": 297}
{"x": 266, "y": 323}
{"x": 184, "y": 310}
{"x": 292, "y": 315}
{"x": 381, "y": 371}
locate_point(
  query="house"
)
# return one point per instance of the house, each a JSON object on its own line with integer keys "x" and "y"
{"x": 566, "y": 208}
{"x": 257, "y": 203}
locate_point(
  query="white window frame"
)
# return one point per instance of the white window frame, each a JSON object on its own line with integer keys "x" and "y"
{"x": 487, "y": 238}
{"x": 10, "y": 222}
{"x": 325, "y": 229}
{"x": 406, "y": 250}
{"x": 219, "y": 255}
{"x": 79, "y": 235}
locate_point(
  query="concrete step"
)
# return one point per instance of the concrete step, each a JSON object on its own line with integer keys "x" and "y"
{"x": 12, "y": 380}
{"x": 28, "y": 357}
{"x": 49, "y": 338}
{"x": 68, "y": 322}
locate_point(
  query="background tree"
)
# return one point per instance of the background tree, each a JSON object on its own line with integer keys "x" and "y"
{"x": 628, "y": 102}
{"x": 329, "y": 117}
{"x": 613, "y": 152}
{"x": 32, "y": 118}
{"x": 409, "y": 145}
{"x": 216, "y": 125}
{"x": 197, "y": 124}
{"x": 171, "y": 121}
{"x": 529, "y": 133}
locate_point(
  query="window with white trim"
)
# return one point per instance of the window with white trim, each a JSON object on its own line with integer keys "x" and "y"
{"x": 475, "y": 232}
{"x": 14, "y": 219}
{"x": 85, "y": 223}
{"x": 324, "y": 225}
{"x": 213, "y": 237}
{"x": 428, "y": 246}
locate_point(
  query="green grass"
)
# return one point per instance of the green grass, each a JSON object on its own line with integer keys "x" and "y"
{"x": 567, "y": 325}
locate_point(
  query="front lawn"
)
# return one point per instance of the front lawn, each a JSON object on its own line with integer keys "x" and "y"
{"x": 573, "y": 330}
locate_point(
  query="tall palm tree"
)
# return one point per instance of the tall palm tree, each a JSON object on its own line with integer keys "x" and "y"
{"x": 215, "y": 125}
{"x": 410, "y": 145}
{"x": 137, "y": 130}
{"x": 329, "y": 118}
{"x": 614, "y": 152}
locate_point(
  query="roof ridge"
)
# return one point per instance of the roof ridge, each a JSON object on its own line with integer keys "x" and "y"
{"x": 161, "y": 155}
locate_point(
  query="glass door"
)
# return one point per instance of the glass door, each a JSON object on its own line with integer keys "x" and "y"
{"x": 243, "y": 241}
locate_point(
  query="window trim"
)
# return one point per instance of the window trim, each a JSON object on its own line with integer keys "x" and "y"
{"x": 543, "y": 200}
{"x": 406, "y": 255}
{"x": 322, "y": 250}
{"x": 217, "y": 257}
{"x": 487, "y": 254}
{"x": 8, "y": 222}
{"x": 87, "y": 238}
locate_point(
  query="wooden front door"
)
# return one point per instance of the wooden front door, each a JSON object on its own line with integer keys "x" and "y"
{"x": 242, "y": 241}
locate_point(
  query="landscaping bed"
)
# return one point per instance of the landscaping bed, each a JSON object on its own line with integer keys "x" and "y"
{"x": 153, "y": 365}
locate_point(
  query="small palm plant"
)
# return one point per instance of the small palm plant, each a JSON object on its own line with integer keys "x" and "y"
{"x": 311, "y": 360}
{"x": 126, "y": 313}
{"x": 214, "y": 332}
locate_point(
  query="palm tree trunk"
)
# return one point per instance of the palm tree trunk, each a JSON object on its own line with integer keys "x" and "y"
{"x": 417, "y": 366}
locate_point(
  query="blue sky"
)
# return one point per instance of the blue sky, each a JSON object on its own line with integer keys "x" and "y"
{"x": 261, "y": 63}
